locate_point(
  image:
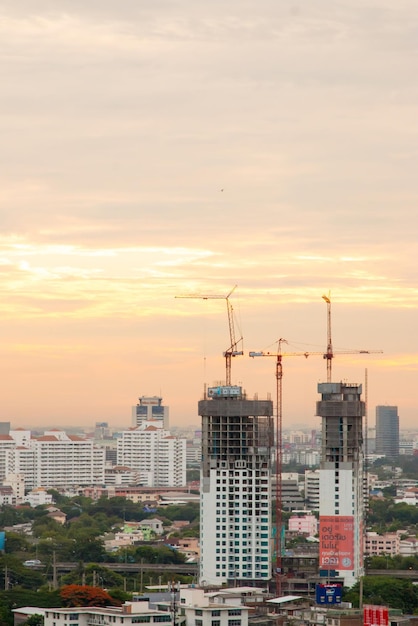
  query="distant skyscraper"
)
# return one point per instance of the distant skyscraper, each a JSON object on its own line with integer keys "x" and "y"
{"x": 341, "y": 508}
{"x": 150, "y": 408}
{"x": 387, "y": 431}
{"x": 235, "y": 525}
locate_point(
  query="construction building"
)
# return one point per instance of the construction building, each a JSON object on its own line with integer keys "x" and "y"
{"x": 341, "y": 509}
{"x": 235, "y": 520}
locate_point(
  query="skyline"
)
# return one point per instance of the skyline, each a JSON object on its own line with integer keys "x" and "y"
{"x": 155, "y": 150}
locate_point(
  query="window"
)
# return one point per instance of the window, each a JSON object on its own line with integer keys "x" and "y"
{"x": 141, "y": 619}
{"x": 234, "y": 612}
{"x": 198, "y": 622}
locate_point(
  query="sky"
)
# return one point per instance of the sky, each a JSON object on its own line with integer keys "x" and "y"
{"x": 154, "y": 149}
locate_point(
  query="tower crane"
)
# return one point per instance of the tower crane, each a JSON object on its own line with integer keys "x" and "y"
{"x": 328, "y": 355}
{"x": 233, "y": 349}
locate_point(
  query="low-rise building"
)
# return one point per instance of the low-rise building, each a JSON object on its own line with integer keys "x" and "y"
{"x": 128, "y": 613}
{"x": 303, "y": 523}
{"x": 377, "y": 545}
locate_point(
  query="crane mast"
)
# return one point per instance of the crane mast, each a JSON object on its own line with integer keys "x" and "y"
{"x": 329, "y": 355}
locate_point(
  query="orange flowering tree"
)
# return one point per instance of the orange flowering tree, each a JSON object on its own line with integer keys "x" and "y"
{"x": 84, "y": 595}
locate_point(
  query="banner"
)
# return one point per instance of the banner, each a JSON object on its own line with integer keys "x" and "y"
{"x": 336, "y": 542}
{"x": 375, "y": 615}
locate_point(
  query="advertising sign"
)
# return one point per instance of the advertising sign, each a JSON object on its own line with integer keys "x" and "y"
{"x": 328, "y": 594}
{"x": 375, "y": 615}
{"x": 336, "y": 542}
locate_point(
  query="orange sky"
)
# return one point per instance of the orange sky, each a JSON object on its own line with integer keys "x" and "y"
{"x": 154, "y": 149}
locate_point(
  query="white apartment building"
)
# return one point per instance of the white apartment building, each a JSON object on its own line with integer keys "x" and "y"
{"x": 158, "y": 457}
{"x": 128, "y": 613}
{"x": 63, "y": 460}
{"x": 120, "y": 475}
{"x": 7, "y": 443}
{"x": 38, "y": 497}
{"x": 312, "y": 497}
{"x": 221, "y": 608}
{"x": 21, "y": 460}
{"x": 17, "y": 483}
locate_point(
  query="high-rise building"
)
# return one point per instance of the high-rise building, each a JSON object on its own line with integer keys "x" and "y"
{"x": 158, "y": 457}
{"x": 387, "y": 431}
{"x": 150, "y": 408}
{"x": 235, "y": 520}
{"x": 341, "y": 509}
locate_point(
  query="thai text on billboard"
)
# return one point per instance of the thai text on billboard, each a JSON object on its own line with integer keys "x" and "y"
{"x": 336, "y": 542}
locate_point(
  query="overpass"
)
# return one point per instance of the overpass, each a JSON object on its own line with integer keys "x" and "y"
{"x": 190, "y": 569}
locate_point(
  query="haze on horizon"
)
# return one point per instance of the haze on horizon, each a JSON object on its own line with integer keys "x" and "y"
{"x": 153, "y": 149}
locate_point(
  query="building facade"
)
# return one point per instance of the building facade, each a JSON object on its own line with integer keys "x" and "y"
{"x": 150, "y": 408}
{"x": 157, "y": 456}
{"x": 387, "y": 431}
{"x": 341, "y": 509}
{"x": 235, "y": 527}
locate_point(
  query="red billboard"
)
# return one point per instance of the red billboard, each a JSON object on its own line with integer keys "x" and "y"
{"x": 336, "y": 542}
{"x": 375, "y": 615}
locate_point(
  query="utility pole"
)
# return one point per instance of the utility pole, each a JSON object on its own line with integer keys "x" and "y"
{"x": 54, "y": 571}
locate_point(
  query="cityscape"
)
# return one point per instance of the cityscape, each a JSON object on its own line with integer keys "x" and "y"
{"x": 227, "y": 468}
{"x": 208, "y": 360}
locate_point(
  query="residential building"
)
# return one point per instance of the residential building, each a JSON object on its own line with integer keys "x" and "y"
{"x": 303, "y": 523}
{"x": 21, "y": 460}
{"x": 235, "y": 527}
{"x": 63, "y": 460}
{"x": 379, "y": 545}
{"x": 38, "y": 496}
{"x": 150, "y": 408}
{"x": 225, "y": 607}
{"x": 341, "y": 508}
{"x": 17, "y": 484}
{"x": 121, "y": 475}
{"x": 128, "y": 613}
{"x": 387, "y": 431}
{"x": 312, "y": 489}
{"x": 158, "y": 457}
{"x": 7, "y": 496}
{"x": 7, "y": 443}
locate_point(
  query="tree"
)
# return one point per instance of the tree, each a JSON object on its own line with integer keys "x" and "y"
{"x": 34, "y": 620}
{"x": 393, "y": 592}
{"x": 84, "y": 595}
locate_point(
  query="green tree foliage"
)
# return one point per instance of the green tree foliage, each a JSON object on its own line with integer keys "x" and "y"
{"x": 188, "y": 512}
{"x": 34, "y": 620}
{"x": 16, "y": 543}
{"x": 393, "y": 592}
